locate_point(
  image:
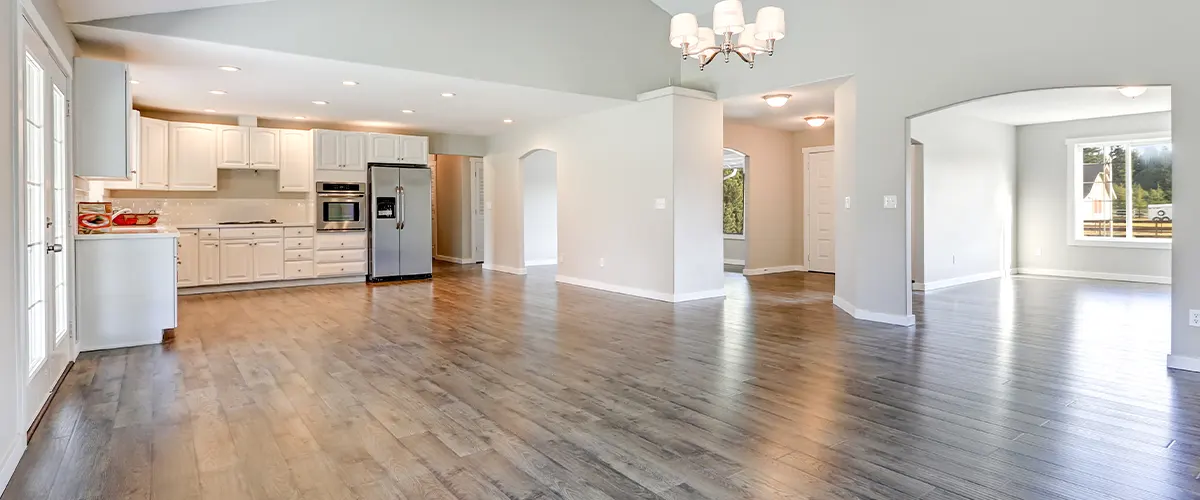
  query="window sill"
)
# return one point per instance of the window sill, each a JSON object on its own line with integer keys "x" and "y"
{"x": 735, "y": 237}
{"x": 1121, "y": 243}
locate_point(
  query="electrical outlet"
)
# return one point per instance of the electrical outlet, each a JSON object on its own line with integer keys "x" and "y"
{"x": 660, "y": 203}
{"x": 601, "y": 261}
{"x": 1037, "y": 252}
{"x": 889, "y": 201}
{"x": 847, "y": 202}
{"x": 1194, "y": 317}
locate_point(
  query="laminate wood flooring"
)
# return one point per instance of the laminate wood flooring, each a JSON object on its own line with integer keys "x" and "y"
{"x": 491, "y": 386}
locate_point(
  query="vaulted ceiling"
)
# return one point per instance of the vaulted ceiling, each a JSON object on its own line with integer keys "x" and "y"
{"x": 78, "y": 11}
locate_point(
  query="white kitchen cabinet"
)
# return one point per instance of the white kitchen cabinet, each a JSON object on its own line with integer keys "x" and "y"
{"x": 192, "y": 157}
{"x": 187, "y": 259}
{"x": 237, "y": 261}
{"x": 101, "y": 105}
{"x": 268, "y": 259}
{"x": 295, "y": 161}
{"x": 264, "y": 148}
{"x": 356, "y": 150}
{"x": 328, "y": 151}
{"x": 384, "y": 148}
{"x": 135, "y": 126}
{"x": 153, "y": 158}
{"x": 414, "y": 150}
{"x": 233, "y": 146}
{"x": 209, "y": 266}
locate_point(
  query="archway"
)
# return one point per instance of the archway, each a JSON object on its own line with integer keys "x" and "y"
{"x": 539, "y": 208}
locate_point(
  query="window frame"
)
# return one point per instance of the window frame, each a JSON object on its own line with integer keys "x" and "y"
{"x": 1075, "y": 149}
{"x": 745, "y": 168}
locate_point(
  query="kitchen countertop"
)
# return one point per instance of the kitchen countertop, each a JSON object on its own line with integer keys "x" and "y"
{"x": 131, "y": 232}
{"x": 223, "y": 226}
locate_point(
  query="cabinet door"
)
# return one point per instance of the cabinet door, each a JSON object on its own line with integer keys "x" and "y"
{"x": 233, "y": 146}
{"x": 209, "y": 269}
{"x": 192, "y": 153}
{"x": 295, "y": 164}
{"x": 152, "y": 157}
{"x": 237, "y": 261}
{"x": 268, "y": 259}
{"x": 264, "y": 148}
{"x": 329, "y": 152}
{"x": 187, "y": 259}
{"x": 355, "y": 147}
{"x": 414, "y": 150}
{"x": 135, "y": 127}
{"x": 384, "y": 148}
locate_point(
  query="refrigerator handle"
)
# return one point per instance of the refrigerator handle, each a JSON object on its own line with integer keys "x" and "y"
{"x": 403, "y": 212}
{"x": 397, "y": 197}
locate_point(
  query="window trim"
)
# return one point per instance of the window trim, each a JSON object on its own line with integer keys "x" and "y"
{"x": 1075, "y": 190}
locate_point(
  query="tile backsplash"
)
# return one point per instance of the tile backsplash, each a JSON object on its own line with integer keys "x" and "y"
{"x": 176, "y": 211}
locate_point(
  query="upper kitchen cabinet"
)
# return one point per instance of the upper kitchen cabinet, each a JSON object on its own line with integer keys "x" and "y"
{"x": 264, "y": 148}
{"x": 100, "y": 111}
{"x": 356, "y": 150}
{"x": 134, "y": 154}
{"x": 247, "y": 148}
{"x": 337, "y": 150}
{"x": 295, "y": 161}
{"x": 192, "y": 158}
{"x": 391, "y": 148}
{"x": 153, "y": 172}
{"x": 414, "y": 150}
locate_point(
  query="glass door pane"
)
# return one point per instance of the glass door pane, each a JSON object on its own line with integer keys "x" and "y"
{"x": 35, "y": 210}
{"x": 59, "y": 207}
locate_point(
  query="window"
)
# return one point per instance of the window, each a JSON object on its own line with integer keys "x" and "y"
{"x": 1122, "y": 191}
{"x": 734, "y": 183}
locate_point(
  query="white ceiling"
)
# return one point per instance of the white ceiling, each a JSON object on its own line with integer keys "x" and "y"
{"x": 807, "y": 100}
{"x": 677, "y": 6}
{"x": 1060, "y": 105}
{"x": 78, "y": 11}
{"x": 177, "y": 74}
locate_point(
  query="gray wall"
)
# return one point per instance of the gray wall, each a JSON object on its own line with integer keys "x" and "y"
{"x": 1043, "y": 175}
{"x": 453, "y": 206}
{"x": 540, "y": 207}
{"x": 968, "y": 181}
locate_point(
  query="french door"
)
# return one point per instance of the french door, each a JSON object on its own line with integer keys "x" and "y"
{"x": 477, "y": 206}
{"x": 44, "y": 200}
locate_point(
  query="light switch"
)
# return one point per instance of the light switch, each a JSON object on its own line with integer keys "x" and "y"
{"x": 489, "y": 205}
{"x": 847, "y": 202}
{"x": 660, "y": 203}
{"x": 889, "y": 201}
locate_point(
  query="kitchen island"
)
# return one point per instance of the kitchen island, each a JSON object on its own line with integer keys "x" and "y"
{"x": 125, "y": 286}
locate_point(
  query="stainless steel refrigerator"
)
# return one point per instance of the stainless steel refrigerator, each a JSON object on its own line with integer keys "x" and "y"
{"x": 401, "y": 228}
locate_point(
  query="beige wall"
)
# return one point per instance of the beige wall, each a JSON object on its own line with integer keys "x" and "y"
{"x": 453, "y": 206}
{"x": 770, "y": 200}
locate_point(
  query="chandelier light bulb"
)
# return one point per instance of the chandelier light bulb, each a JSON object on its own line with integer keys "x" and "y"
{"x": 777, "y": 100}
{"x": 729, "y": 35}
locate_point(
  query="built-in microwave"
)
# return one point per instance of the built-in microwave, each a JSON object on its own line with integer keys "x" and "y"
{"x": 341, "y": 206}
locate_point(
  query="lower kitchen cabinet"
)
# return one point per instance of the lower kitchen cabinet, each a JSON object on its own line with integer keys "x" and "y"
{"x": 233, "y": 255}
{"x": 187, "y": 248}
{"x": 268, "y": 259}
{"x": 210, "y": 262}
{"x": 237, "y": 261}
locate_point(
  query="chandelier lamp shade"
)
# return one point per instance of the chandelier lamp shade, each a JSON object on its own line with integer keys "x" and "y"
{"x": 737, "y": 37}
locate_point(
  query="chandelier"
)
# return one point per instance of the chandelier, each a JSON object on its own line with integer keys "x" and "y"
{"x": 728, "y": 20}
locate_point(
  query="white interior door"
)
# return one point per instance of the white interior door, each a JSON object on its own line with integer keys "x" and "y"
{"x": 821, "y": 206}
{"x": 477, "y": 209}
{"x": 45, "y": 176}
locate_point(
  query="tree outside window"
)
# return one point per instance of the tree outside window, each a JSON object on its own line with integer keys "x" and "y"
{"x": 1126, "y": 190}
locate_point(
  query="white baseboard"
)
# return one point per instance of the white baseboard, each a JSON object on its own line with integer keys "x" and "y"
{"x": 772, "y": 270}
{"x": 962, "y": 280}
{"x": 504, "y": 269}
{"x": 263, "y": 285}
{"x": 456, "y": 260}
{"x": 639, "y": 292}
{"x": 735, "y": 262}
{"x": 12, "y": 457}
{"x": 1183, "y": 363}
{"x": 865, "y": 315}
{"x": 1063, "y": 273}
{"x": 542, "y": 262}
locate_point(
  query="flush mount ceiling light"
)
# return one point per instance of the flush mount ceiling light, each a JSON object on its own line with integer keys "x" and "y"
{"x": 350, "y": 83}
{"x": 299, "y": 118}
{"x": 1132, "y": 91}
{"x": 231, "y": 69}
{"x": 134, "y": 82}
{"x": 777, "y": 100}
{"x": 217, "y": 92}
{"x": 816, "y": 121}
{"x": 447, "y": 94}
{"x": 407, "y": 111}
{"x": 728, "y": 20}
{"x": 320, "y": 103}
{"x": 508, "y": 120}
{"x": 210, "y": 111}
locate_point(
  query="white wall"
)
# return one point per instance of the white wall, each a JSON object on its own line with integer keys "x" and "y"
{"x": 540, "y": 192}
{"x": 1043, "y": 178}
{"x": 612, "y": 166}
{"x": 12, "y": 442}
{"x": 969, "y": 183}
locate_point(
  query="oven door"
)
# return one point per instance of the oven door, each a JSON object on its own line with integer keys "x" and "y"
{"x": 341, "y": 213}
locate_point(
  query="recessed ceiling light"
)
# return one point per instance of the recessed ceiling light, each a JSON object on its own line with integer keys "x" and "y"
{"x": 1132, "y": 91}
{"x": 447, "y": 94}
{"x": 134, "y": 82}
{"x": 777, "y": 100}
{"x": 407, "y": 111}
{"x": 230, "y": 69}
{"x": 299, "y": 118}
{"x": 217, "y": 92}
{"x": 349, "y": 83}
{"x": 320, "y": 103}
{"x": 508, "y": 120}
{"x": 816, "y": 121}
{"x": 210, "y": 111}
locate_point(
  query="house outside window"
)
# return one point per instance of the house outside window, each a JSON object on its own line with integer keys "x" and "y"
{"x": 1121, "y": 191}
{"x": 734, "y": 189}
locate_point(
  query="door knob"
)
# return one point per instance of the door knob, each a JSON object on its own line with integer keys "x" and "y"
{"x": 55, "y": 248}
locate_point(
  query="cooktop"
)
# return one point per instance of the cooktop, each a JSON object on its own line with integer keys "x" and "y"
{"x": 238, "y": 222}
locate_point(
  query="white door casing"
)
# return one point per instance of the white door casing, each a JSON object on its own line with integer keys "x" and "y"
{"x": 477, "y": 211}
{"x": 820, "y": 207}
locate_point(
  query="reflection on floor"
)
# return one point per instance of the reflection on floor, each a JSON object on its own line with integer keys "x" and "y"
{"x": 487, "y": 385}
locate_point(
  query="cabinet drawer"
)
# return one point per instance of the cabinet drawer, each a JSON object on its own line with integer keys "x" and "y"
{"x": 251, "y": 232}
{"x": 341, "y": 241}
{"x": 298, "y": 243}
{"x": 337, "y": 268}
{"x": 294, "y": 255}
{"x": 210, "y": 234}
{"x": 187, "y": 232}
{"x": 295, "y": 270}
{"x": 298, "y": 232}
{"x": 331, "y": 256}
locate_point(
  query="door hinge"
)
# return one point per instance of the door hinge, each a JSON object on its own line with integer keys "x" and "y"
{"x": 68, "y": 108}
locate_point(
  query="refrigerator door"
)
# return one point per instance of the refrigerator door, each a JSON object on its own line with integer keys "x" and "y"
{"x": 385, "y": 223}
{"x": 416, "y": 221}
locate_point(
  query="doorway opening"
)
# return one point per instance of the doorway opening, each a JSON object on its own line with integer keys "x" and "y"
{"x": 539, "y": 196}
{"x": 733, "y": 221}
{"x": 458, "y": 208}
